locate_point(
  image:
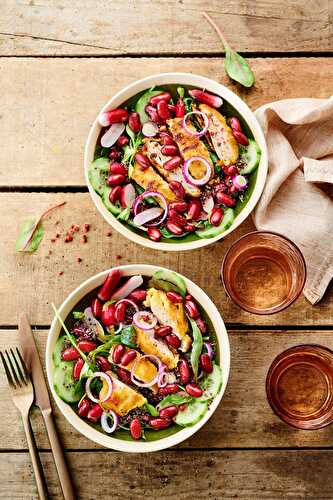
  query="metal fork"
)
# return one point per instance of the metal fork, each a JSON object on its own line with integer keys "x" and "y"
{"x": 22, "y": 392}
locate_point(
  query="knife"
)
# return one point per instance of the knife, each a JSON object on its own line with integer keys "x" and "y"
{"x": 42, "y": 400}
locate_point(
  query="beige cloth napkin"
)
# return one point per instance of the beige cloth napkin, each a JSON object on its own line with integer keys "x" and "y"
{"x": 299, "y": 135}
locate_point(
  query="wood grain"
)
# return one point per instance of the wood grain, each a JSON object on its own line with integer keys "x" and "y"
{"x": 54, "y": 102}
{"x": 127, "y": 27}
{"x": 32, "y": 281}
{"x": 243, "y": 419}
{"x": 193, "y": 474}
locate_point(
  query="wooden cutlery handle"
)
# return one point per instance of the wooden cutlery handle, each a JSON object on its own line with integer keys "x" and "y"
{"x": 36, "y": 463}
{"x": 58, "y": 455}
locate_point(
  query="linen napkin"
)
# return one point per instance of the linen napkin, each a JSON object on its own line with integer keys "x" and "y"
{"x": 299, "y": 135}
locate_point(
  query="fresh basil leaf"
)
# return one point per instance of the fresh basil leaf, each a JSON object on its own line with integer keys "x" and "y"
{"x": 152, "y": 410}
{"x": 174, "y": 399}
{"x": 106, "y": 346}
{"x": 130, "y": 133}
{"x": 78, "y": 315}
{"x": 238, "y": 68}
{"x": 181, "y": 91}
{"x": 196, "y": 347}
{"x": 128, "y": 336}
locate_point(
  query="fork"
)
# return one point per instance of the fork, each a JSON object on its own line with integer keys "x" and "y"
{"x": 22, "y": 392}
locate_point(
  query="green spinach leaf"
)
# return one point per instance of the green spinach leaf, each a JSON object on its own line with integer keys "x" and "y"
{"x": 196, "y": 347}
{"x": 175, "y": 399}
{"x": 128, "y": 336}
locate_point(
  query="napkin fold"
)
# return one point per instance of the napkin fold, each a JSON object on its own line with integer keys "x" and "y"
{"x": 299, "y": 135}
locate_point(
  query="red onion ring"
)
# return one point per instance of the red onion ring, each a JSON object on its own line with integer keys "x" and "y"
{"x": 192, "y": 132}
{"x": 128, "y": 302}
{"x": 188, "y": 177}
{"x": 240, "y": 182}
{"x": 162, "y": 377}
{"x": 156, "y": 194}
{"x": 108, "y": 380}
{"x": 104, "y": 421}
{"x": 139, "y": 320}
{"x": 120, "y": 327}
{"x": 147, "y": 215}
{"x": 155, "y": 379}
{"x": 209, "y": 348}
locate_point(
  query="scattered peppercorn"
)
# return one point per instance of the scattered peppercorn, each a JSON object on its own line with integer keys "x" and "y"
{"x": 84, "y": 238}
{"x": 86, "y": 228}
{"x": 68, "y": 238}
{"x": 53, "y": 240}
{"x": 57, "y": 235}
{"x": 109, "y": 233}
{"x": 118, "y": 257}
{"x": 79, "y": 259}
{"x": 61, "y": 273}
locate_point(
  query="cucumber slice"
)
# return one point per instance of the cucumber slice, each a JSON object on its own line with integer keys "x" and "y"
{"x": 213, "y": 231}
{"x": 97, "y": 174}
{"x": 211, "y": 385}
{"x": 106, "y": 200}
{"x": 173, "y": 278}
{"x": 192, "y": 414}
{"x": 251, "y": 155}
{"x": 58, "y": 348}
{"x": 163, "y": 285}
{"x": 65, "y": 386}
{"x": 142, "y": 103}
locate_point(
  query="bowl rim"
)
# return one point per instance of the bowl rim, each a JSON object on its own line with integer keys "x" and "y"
{"x": 97, "y": 436}
{"x": 181, "y": 79}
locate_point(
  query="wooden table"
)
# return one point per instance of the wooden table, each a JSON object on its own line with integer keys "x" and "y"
{"x": 60, "y": 61}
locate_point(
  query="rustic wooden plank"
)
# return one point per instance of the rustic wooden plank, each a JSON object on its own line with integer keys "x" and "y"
{"x": 74, "y": 28}
{"x": 46, "y": 113}
{"x": 243, "y": 419}
{"x": 32, "y": 282}
{"x": 183, "y": 475}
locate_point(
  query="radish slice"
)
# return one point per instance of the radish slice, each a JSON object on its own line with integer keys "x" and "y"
{"x": 93, "y": 323}
{"x": 188, "y": 177}
{"x": 112, "y": 135}
{"x": 128, "y": 287}
{"x": 240, "y": 182}
{"x": 196, "y": 132}
{"x": 149, "y": 129}
{"x": 208, "y": 204}
{"x": 108, "y": 380}
{"x": 147, "y": 216}
{"x": 105, "y": 424}
{"x": 155, "y": 194}
{"x": 209, "y": 348}
{"x": 127, "y": 196}
{"x": 145, "y": 320}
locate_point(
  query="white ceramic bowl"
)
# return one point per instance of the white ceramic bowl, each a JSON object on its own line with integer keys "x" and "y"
{"x": 137, "y": 446}
{"x": 181, "y": 79}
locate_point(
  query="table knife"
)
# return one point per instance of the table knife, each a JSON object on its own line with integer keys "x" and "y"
{"x": 42, "y": 400}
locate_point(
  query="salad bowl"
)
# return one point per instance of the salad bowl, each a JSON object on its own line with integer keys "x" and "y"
{"x": 183, "y": 372}
{"x": 175, "y": 161}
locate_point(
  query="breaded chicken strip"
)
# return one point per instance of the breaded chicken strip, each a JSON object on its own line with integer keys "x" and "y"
{"x": 150, "y": 180}
{"x": 123, "y": 398}
{"x": 150, "y": 345}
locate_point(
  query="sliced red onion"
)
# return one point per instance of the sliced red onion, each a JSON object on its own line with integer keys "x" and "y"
{"x": 155, "y": 194}
{"x": 128, "y": 302}
{"x": 162, "y": 377}
{"x": 112, "y": 135}
{"x": 128, "y": 195}
{"x": 208, "y": 204}
{"x": 240, "y": 182}
{"x": 131, "y": 284}
{"x": 196, "y": 132}
{"x": 108, "y": 380}
{"x": 209, "y": 348}
{"x": 145, "y": 320}
{"x": 149, "y": 129}
{"x": 147, "y": 215}
{"x": 188, "y": 177}
{"x": 105, "y": 424}
{"x": 155, "y": 379}
{"x": 120, "y": 327}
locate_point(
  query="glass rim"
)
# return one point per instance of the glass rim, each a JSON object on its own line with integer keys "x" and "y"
{"x": 280, "y": 307}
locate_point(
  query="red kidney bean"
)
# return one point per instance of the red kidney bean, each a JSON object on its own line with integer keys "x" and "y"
{"x": 109, "y": 285}
{"x": 115, "y": 194}
{"x": 153, "y": 115}
{"x": 115, "y": 179}
{"x": 206, "y": 363}
{"x": 84, "y": 407}
{"x": 96, "y": 308}
{"x": 174, "y": 228}
{"x": 175, "y": 297}
{"x": 169, "y": 389}
{"x": 172, "y": 108}
{"x": 206, "y": 98}
{"x": 169, "y": 412}
{"x": 193, "y": 390}
{"x": 177, "y": 188}
{"x": 159, "y": 423}
{"x": 142, "y": 160}
{"x": 232, "y": 170}
{"x": 191, "y": 309}
{"x": 117, "y": 168}
{"x": 134, "y": 122}
{"x": 120, "y": 311}
{"x": 201, "y": 325}
{"x": 177, "y": 218}
{"x": 170, "y": 150}
{"x": 70, "y": 354}
{"x": 77, "y": 368}
{"x": 122, "y": 140}
{"x": 114, "y": 154}
{"x": 216, "y": 216}
{"x": 154, "y": 234}
{"x": 225, "y": 199}
{"x": 103, "y": 363}
{"x": 138, "y": 295}
{"x": 135, "y": 428}
{"x": 108, "y": 315}
{"x": 86, "y": 345}
{"x": 167, "y": 139}
{"x": 235, "y": 123}
{"x": 184, "y": 371}
{"x": 180, "y": 108}
{"x": 116, "y": 116}
{"x": 240, "y": 137}
{"x": 118, "y": 353}
{"x": 162, "y": 331}
{"x": 194, "y": 209}
{"x": 172, "y": 163}
{"x": 188, "y": 297}
{"x": 173, "y": 340}
{"x": 128, "y": 357}
{"x": 95, "y": 413}
{"x": 164, "y": 96}
{"x": 179, "y": 206}
{"x": 163, "y": 110}
{"x": 124, "y": 375}
{"x": 189, "y": 227}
